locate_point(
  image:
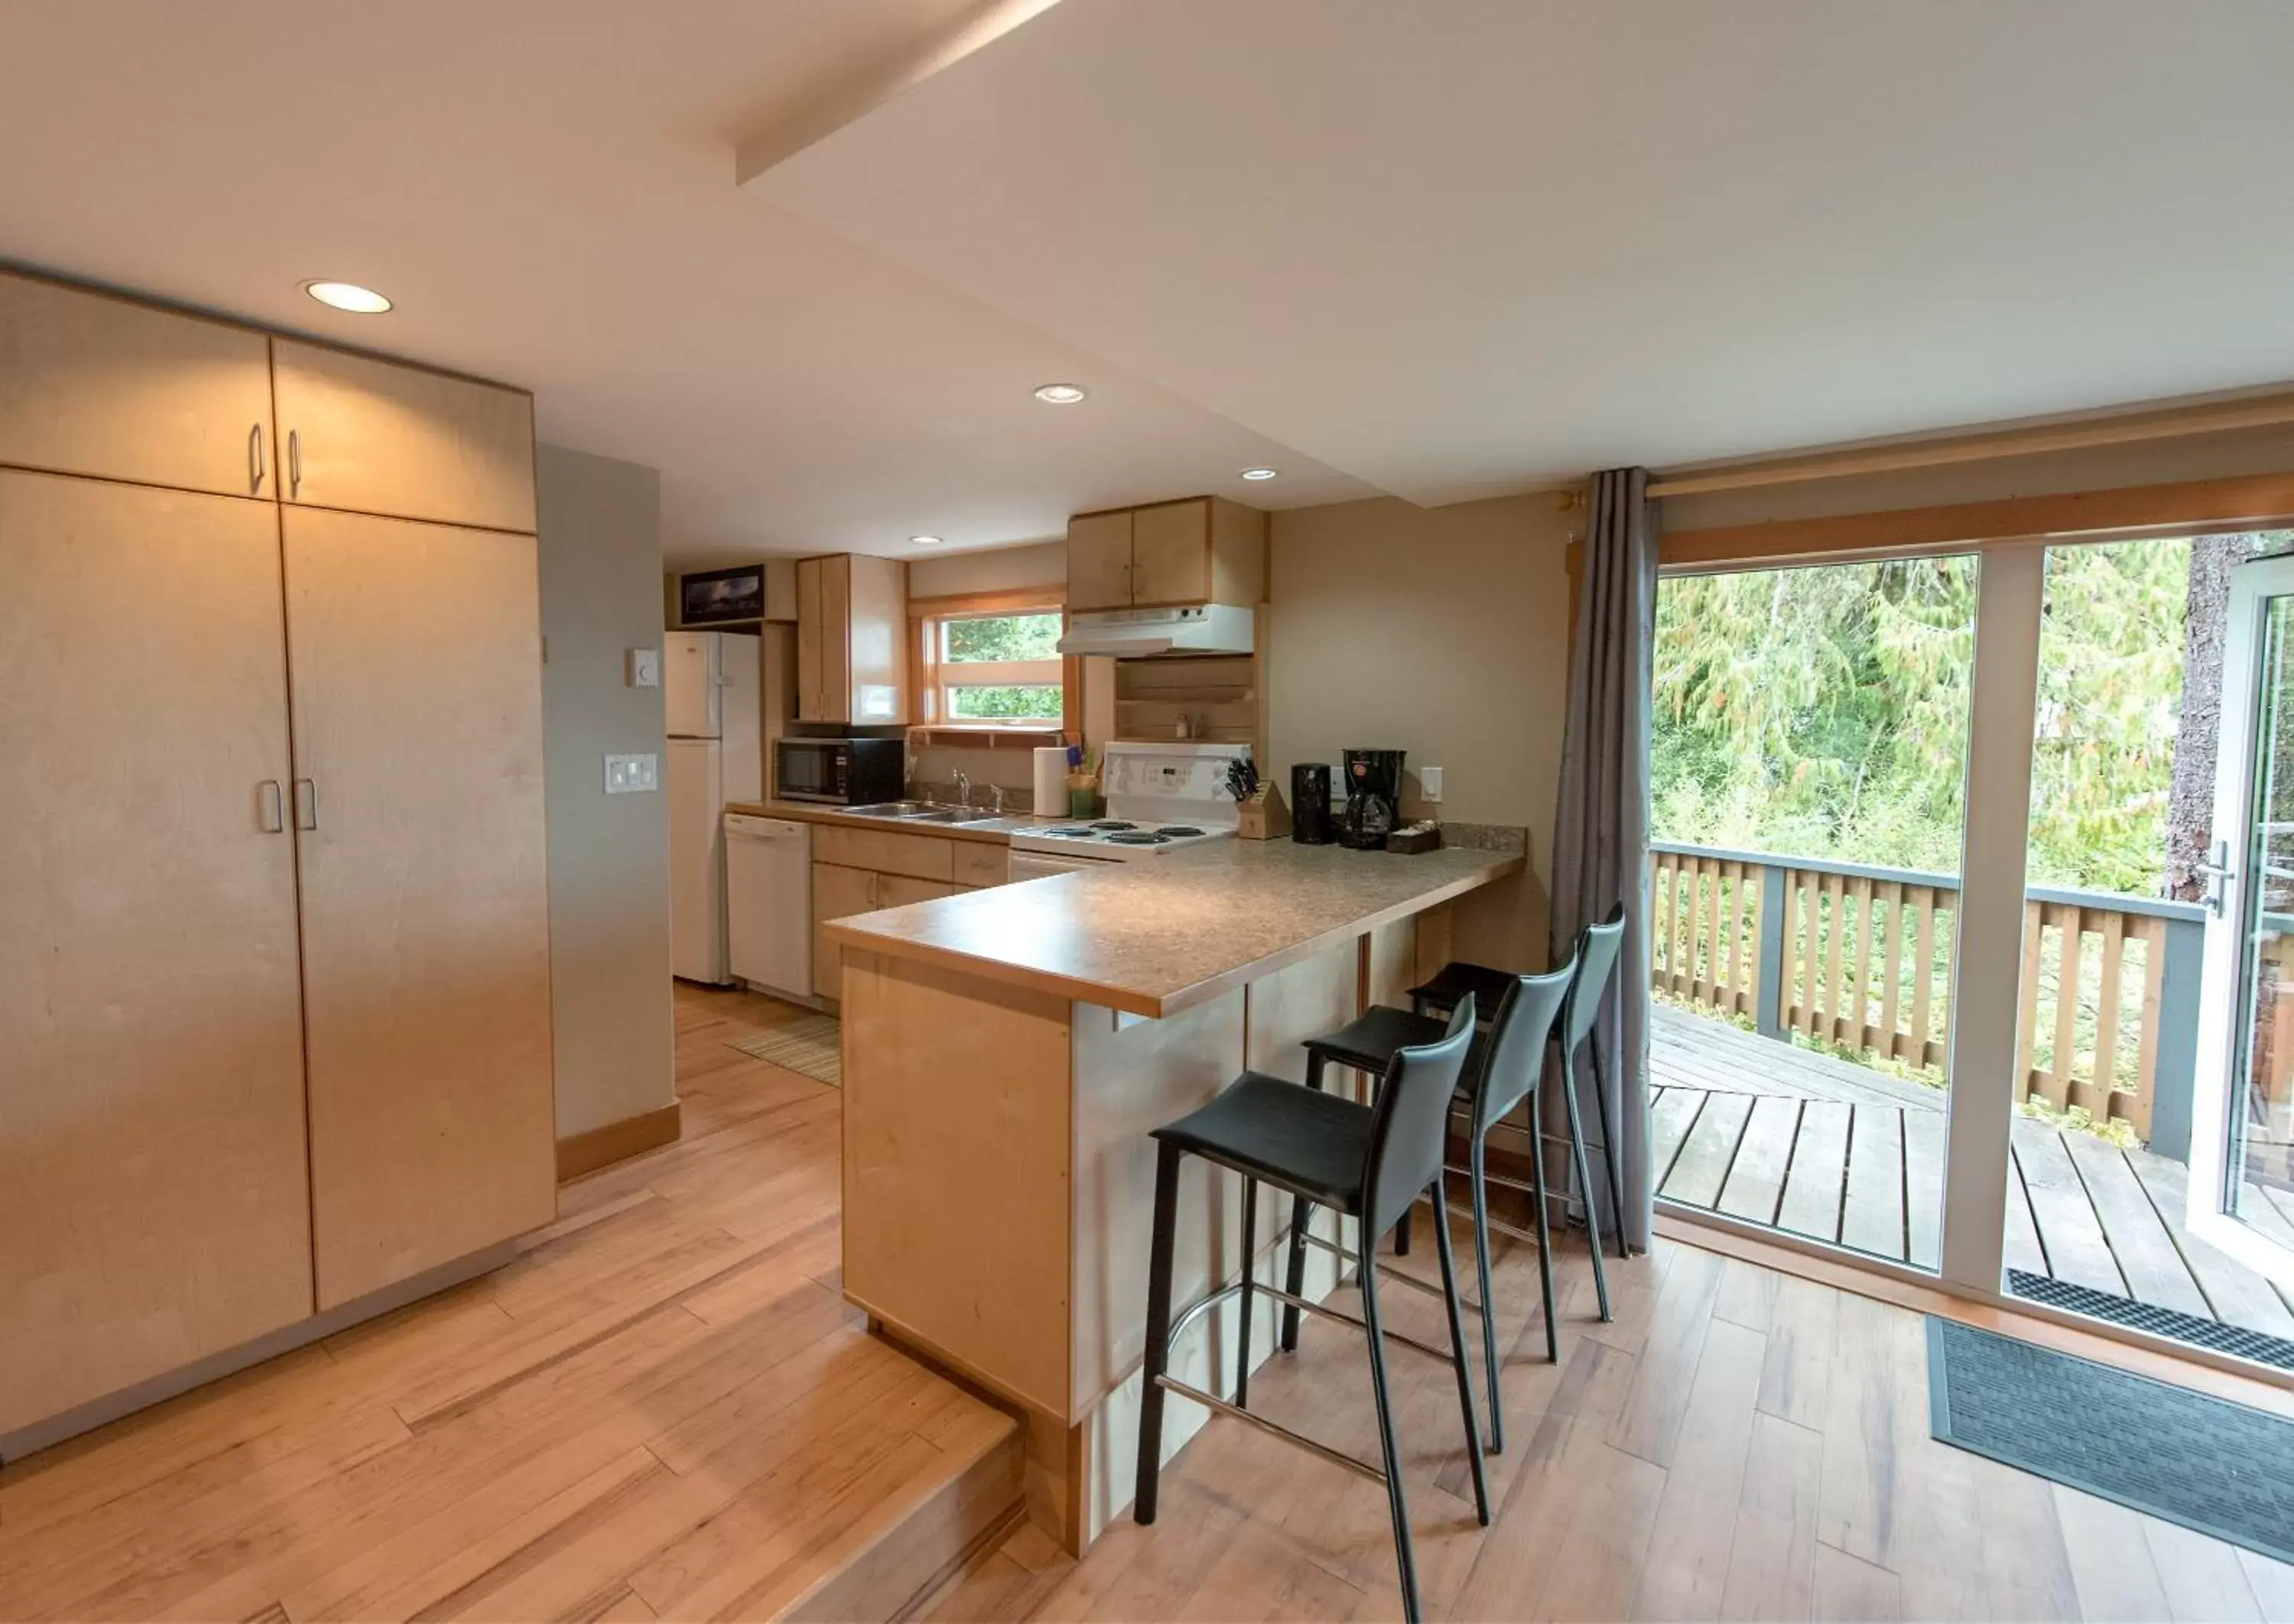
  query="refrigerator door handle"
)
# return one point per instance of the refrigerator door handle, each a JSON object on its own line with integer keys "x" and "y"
{"x": 271, "y": 806}
{"x": 307, "y": 804}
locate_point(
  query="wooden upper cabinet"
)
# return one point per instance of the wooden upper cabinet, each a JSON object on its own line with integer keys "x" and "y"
{"x": 417, "y": 680}
{"x": 1204, "y": 550}
{"x": 93, "y": 384}
{"x": 153, "y": 1202}
{"x": 1171, "y": 553}
{"x": 852, "y": 640}
{"x": 1099, "y": 561}
{"x": 367, "y": 435}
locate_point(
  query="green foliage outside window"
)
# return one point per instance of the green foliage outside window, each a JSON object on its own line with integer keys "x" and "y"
{"x": 1003, "y": 636}
{"x": 1823, "y": 712}
{"x": 1030, "y": 702}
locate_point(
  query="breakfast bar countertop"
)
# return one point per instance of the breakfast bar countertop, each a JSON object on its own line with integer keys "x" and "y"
{"x": 1155, "y": 937}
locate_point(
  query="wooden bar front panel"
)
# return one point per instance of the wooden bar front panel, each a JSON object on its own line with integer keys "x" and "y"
{"x": 957, "y": 1185}
{"x": 152, "y": 1199}
{"x": 416, "y": 655}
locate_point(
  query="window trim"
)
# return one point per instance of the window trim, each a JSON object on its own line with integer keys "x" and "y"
{"x": 929, "y": 681}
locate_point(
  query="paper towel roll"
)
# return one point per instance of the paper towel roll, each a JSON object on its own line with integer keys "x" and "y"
{"x": 1051, "y": 781}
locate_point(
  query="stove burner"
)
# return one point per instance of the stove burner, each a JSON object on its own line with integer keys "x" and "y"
{"x": 1072, "y": 832}
{"x": 1179, "y": 831}
{"x": 1113, "y": 824}
{"x": 1138, "y": 837}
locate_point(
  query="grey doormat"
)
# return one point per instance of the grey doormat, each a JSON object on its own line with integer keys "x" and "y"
{"x": 2208, "y": 1463}
{"x": 813, "y": 1045}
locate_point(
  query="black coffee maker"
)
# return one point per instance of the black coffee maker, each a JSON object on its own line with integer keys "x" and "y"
{"x": 1373, "y": 799}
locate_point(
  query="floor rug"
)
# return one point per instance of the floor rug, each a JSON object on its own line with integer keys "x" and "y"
{"x": 813, "y": 1044}
{"x": 2210, "y": 1464}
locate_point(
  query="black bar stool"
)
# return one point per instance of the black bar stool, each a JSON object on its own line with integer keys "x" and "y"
{"x": 1596, "y": 951}
{"x": 1503, "y": 1067}
{"x": 1370, "y": 1162}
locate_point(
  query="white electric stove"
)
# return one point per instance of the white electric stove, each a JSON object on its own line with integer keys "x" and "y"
{"x": 1160, "y": 799}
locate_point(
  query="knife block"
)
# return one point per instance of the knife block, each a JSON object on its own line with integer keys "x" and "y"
{"x": 1265, "y": 817}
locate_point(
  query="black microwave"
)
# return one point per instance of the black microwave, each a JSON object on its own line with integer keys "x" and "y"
{"x": 840, "y": 772}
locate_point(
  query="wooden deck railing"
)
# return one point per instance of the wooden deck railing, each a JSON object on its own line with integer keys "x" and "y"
{"x": 1861, "y": 957}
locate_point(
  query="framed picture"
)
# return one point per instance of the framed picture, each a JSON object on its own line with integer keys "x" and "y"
{"x": 718, "y": 596}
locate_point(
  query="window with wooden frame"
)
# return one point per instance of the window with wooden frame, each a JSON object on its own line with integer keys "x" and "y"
{"x": 988, "y": 666}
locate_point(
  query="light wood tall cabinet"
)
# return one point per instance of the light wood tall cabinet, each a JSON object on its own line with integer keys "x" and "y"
{"x": 416, "y": 652}
{"x": 152, "y": 1182}
{"x": 274, "y": 1004}
{"x": 851, "y": 640}
{"x": 1203, "y": 549}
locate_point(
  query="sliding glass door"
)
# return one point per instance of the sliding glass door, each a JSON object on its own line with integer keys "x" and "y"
{"x": 2242, "y": 1184}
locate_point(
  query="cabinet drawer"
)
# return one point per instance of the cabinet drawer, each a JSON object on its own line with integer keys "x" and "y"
{"x": 90, "y": 383}
{"x": 919, "y": 857}
{"x": 978, "y": 864}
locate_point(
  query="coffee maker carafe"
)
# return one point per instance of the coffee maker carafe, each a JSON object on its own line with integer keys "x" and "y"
{"x": 1373, "y": 798}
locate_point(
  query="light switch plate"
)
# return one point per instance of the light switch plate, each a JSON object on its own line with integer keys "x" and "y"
{"x": 644, "y": 668}
{"x": 632, "y": 774}
{"x": 1429, "y": 783}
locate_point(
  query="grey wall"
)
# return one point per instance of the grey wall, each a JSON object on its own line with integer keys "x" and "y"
{"x": 601, "y": 596}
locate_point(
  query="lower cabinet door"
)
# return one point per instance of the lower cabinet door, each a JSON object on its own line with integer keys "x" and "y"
{"x": 153, "y": 1205}
{"x": 838, "y": 892}
{"x": 416, "y": 655}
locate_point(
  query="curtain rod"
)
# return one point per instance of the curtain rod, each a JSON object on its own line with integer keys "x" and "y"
{"x": 1979, "y": 448}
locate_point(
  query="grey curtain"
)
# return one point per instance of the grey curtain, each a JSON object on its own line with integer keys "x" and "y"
{"x": 1600, "y": 825}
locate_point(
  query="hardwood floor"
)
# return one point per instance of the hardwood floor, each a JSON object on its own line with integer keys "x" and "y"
{"x": 1736, "y": 1444}
{"x": 662, "y": 1409}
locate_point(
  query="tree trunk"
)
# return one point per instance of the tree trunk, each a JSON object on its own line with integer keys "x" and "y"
{"x": 2190, "y": 792}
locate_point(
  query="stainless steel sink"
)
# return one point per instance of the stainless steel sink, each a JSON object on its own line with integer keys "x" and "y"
{"x": 922, "y": 812}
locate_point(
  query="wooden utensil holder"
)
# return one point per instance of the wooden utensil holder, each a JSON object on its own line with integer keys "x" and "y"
{"x": 1264, "y": 815}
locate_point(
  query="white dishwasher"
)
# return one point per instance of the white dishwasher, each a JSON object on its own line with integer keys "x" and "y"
{"x": 769, "y": 902}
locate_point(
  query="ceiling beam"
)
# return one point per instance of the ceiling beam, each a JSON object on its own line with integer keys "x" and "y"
{"x": 854, "y": 98}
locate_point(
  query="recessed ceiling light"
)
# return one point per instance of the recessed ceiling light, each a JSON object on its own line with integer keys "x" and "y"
{"x": 1260, "y": 473}
{"x": 925, "y": 540}
{"x": 1061, "y": 394}
{"x": 348, "y": 295}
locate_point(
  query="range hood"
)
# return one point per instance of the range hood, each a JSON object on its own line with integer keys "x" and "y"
{"x": 1202, "y": 628}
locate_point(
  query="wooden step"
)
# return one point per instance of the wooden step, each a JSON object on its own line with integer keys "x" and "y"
{"x": 903, "y": 1548}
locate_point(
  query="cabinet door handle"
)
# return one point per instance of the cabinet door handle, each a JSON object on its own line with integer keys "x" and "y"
{"x": 875, "y": 891}
{"x": 293, "y": 462}
{"x": 307, "y": 804}
{"x": 255, "y": 468}
{"x": 271, "y": 806}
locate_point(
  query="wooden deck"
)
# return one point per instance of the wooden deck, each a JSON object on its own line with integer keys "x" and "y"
{"x": 1786, "y": 1136}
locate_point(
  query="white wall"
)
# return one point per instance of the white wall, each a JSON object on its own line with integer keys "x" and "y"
{"x": 601, "y": 595}
{"x": 1444, "y": 632}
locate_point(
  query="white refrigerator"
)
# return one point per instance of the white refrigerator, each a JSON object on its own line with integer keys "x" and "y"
{"x": 712, "y": 693}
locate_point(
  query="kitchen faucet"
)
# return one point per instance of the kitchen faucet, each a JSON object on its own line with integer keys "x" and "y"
{"x": 964, "y": 789}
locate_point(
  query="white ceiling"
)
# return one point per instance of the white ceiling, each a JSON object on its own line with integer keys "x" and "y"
{"x": 1471, "y": 247}
{"x": 545, "y": 188}
{"x": 1443, "y": 248}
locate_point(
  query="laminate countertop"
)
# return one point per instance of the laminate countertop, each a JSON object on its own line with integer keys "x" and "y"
{"x": 1156, "y": 935}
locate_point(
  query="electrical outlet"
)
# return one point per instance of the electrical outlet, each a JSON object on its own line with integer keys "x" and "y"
{"x": 644, "y": 668}
{"x": 1429, "y": 783}
{"x": 632, "y": 774}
